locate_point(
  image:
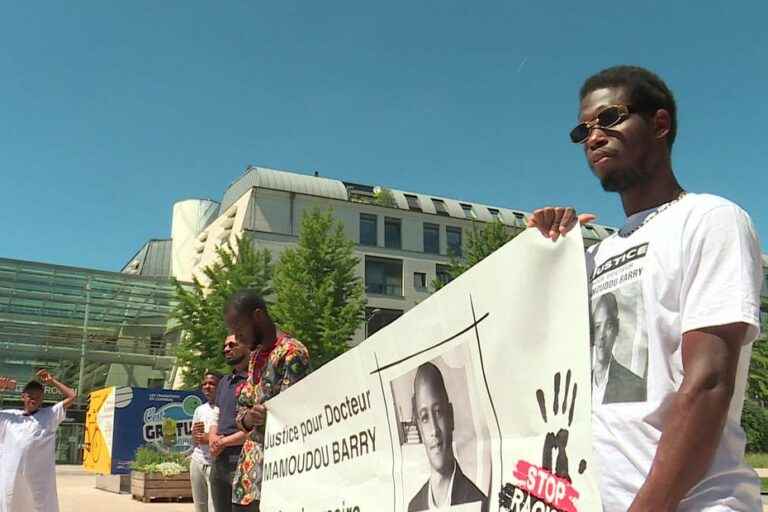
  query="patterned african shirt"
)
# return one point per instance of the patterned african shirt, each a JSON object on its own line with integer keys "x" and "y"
{"x": 270, "y": 371}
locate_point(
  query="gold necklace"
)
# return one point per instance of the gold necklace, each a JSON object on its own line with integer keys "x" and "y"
{"x": 654, "y": 214}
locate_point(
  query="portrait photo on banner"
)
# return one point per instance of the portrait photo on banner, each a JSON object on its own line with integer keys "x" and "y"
{"x": 443, "y": 434}
{"x": 619, "y": 346}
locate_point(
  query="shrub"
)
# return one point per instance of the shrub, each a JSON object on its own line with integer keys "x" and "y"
{"x": 754, "y": 419}
{"x": 149, "y": 459}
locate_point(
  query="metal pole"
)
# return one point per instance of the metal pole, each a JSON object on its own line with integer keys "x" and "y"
{"x": 83, "y": 344}
{"x": 371, "y": 316}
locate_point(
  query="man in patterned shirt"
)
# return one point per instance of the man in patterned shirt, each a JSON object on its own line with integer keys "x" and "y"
{"x": 277, "y": 362}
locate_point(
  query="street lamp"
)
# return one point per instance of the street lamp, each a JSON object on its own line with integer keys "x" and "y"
{"x": 371, "y": 316}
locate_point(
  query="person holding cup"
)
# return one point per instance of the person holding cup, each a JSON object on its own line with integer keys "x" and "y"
{"x": 200, "y": 460}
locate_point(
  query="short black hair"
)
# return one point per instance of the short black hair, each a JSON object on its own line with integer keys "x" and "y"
{"x": 33, "y": 385}
{"x": 212, "y": 373}
{"x": 647, "y": 92}
{"x": 246, "y": 301}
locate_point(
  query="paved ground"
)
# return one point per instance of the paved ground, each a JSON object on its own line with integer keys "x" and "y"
{"x": 77, "y": 494}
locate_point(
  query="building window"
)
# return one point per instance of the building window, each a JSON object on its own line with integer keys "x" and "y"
{"x": 393, "y": 238}
{"x": 431, "y": 238}
{"x": 384, "y": 276}
{"x": 368, "y": 229}
{"x": 443, "y": 273}
{"x": 378, "y": 318}
{"x": 420, "y": 281}
{"x": 468, "y": 213}
{"x": 495, "y": 214}
{"x": 453, "y": 238}
{"x": 440, "y": 207}
{"x": 413, "y": 202}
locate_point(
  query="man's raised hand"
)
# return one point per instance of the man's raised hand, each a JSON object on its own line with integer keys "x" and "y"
{"x": 7, "y": 384}
{"x": 554, "y": 221}
{"x": 44, "y": 376}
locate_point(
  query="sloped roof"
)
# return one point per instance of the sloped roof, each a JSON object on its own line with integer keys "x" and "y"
{"x": 152, "y": 260}
{"x": 282, "y": 180}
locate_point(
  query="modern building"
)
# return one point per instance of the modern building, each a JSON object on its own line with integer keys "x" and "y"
{"x": 404, "y": 239}
{"x": 94, "y": 328}
{"x": 90, "y": 328}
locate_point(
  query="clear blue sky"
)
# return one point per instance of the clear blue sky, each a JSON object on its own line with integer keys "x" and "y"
{"x": 111, "y": 111}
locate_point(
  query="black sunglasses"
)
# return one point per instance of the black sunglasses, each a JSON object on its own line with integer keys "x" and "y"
{"x": 609, "y": 116}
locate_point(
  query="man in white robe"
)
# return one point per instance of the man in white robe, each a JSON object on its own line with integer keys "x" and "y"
{"x": 27, "y": 447}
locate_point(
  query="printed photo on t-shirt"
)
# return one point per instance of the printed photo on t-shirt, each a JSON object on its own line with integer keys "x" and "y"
{"x": 619, "y": 333}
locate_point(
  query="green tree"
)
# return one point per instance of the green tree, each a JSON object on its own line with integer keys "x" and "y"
{"x": 754, "y": 418}
{"x": 757, "y": 383}
{"x": 320, "y": 298}
{"x": 481, "y": 242}
{"x": 754, "y": 421}
{"x": 384, "y": 197}
{"x": 201, "y": 307}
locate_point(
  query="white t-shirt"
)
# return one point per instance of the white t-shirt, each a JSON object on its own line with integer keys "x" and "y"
{"x": 27, "y": 459}
{"x": 697, "y": 263}
{"x": 205, "y": 414}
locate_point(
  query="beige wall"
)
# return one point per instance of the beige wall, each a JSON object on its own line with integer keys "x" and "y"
{"x": 271, "y": 218}
{"x": 271, "y": 212}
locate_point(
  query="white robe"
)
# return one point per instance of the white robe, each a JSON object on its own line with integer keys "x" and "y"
{"x": 27, "y": 459}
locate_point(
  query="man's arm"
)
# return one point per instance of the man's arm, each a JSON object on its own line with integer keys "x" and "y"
{"x": 214, "y": 439}
{"x": 696, "y": 416}
{"x": 218, "y": 443}
{"x": 68, "y": 392}
{"x": 235, "y": 439}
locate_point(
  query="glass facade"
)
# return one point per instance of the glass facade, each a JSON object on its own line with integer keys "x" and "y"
{"x": 89, "y": 328}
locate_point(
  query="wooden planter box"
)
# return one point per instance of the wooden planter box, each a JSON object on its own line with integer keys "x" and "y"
{"x": 151, "y": 486}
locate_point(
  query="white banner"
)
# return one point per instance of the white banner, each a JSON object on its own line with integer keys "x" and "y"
{"x": 477, "y": 399}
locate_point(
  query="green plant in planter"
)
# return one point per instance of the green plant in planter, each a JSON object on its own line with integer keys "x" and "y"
{"x": 149, "y": 459}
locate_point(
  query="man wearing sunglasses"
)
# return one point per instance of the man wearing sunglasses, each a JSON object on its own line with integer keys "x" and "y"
{"x": 686, "y": 270}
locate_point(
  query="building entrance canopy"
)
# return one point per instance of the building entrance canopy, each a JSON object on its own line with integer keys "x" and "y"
{"x": 91, "y": 328}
